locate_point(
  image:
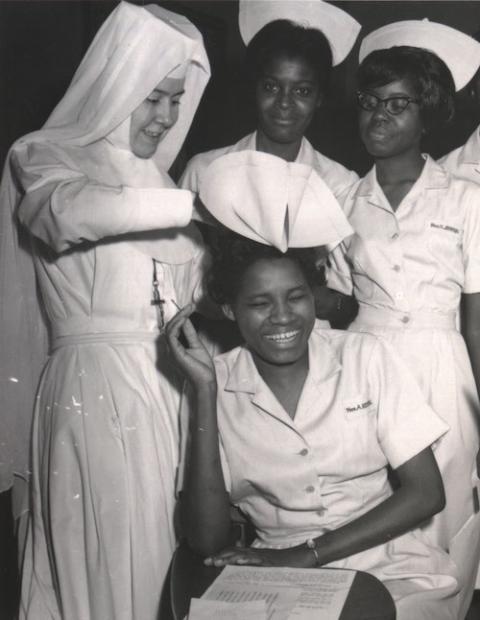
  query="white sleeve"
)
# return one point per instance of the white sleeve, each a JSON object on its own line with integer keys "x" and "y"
{"x": 62, "y": 207}
{"x": 225, "y": 468}
{"x": 471, "y": 240}
{"x": 190, "y": 179}
{"x": 337, "y": 270}
{"x": 406, "y": 424}
{"x": 200, "y": 297}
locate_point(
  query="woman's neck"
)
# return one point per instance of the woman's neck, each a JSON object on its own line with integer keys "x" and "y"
{"x": 397, "y": 175}
{"x": 287, "y": 151}
{"x": 286, "y": 381}
{"x": 398, "y": 169}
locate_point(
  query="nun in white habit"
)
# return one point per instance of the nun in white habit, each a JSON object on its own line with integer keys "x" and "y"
{"x": 88, "y": 198}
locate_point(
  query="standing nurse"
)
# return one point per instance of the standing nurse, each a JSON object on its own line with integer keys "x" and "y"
{"x": 89, "y": 199}
{"x": 291, "y": 47}
{"x": 464, "y": 161}
{"x": 415, "y": 254}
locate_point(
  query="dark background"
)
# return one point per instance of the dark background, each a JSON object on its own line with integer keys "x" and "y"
{"x": 42, "y": 42}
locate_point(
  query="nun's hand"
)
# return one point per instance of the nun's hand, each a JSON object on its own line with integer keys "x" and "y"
{"x": 193, "y": 359}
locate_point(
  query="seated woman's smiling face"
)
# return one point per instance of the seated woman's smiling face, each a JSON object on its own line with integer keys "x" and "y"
{"x": 274, "y": 310}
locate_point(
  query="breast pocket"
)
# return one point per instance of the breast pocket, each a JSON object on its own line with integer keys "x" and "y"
{"x": 444, "y": 241}
{"x": 359, "y": 431}
{"x": 444, "y": 244}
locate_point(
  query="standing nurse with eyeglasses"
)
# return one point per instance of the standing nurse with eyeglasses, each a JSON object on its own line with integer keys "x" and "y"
{"x": 415, "y": 256}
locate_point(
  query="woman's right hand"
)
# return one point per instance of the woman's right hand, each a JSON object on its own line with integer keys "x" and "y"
{"x": 193, "y": 359}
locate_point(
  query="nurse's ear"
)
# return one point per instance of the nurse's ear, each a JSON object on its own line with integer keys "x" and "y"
{"x": 228, "y": 312}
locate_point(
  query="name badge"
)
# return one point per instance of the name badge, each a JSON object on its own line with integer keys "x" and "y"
{"x": 357, "y": 407}
{"x": 446, "y": 227}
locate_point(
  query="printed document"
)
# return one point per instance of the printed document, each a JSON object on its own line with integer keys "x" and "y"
{"x": 200, "y": 609}
{"x": 289, "y": 593}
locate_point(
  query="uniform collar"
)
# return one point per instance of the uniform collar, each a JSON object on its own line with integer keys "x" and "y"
{"x": 470, "y": 153}
{"x": 306, "y": 154}
{"x": 243, "y": 375}
{"x": 433, "y": 176}
{"x": 248, "y": 143}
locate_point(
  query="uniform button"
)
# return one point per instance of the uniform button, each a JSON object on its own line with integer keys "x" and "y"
{"x": 396, "y": 268}
{"x": 399, "y": 295}
{"x": 310, "y": 489}
{"x": 303, "y": 452}
{"x": 320, "y": 512}
{"x": 405, "y": 319}
{"x": 395, "y": 235}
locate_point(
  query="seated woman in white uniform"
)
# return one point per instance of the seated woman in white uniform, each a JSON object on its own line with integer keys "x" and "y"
{"x": 297, "y": 426}
{"x": 87, "y": 201}
{"x": 415, "y": 255}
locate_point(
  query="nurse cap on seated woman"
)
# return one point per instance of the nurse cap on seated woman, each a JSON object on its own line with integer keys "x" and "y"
{"x": 297, "y": 426}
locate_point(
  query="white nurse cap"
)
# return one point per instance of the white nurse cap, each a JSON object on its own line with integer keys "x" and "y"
{"x": 340, "y": 29}
{"x": 272, "y": 201}
{"x": 460, "y": 52}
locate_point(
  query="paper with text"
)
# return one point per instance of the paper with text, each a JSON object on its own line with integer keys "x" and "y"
{"x": 201, "y": 609}
{"x": 289, "y": 593}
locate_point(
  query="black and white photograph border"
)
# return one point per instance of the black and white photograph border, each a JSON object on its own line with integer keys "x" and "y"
{"x": 43, "y": 41}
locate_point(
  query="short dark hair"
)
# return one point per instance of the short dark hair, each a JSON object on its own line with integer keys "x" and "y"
{"x": 428, "y": 74}
{"x": 285, "y": 38}
{"x": 233, "y": 254}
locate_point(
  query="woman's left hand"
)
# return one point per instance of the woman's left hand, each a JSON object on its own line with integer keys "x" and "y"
{"x": 298, "y": 557}
{"x": 192, "y": 357}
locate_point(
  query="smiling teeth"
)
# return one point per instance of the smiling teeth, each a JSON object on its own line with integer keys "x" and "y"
{"x": 152, "y": 134}
{"x": 283, "y": 337}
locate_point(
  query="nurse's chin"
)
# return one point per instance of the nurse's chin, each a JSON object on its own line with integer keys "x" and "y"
{"x": 282, "y": 356}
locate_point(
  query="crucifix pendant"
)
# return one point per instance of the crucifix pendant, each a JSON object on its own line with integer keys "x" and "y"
{"x": 157, "y": 301}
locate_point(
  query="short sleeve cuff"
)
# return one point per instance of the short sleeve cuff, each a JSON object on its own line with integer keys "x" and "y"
{"x": 338, "y": 282}
{"x": 472, "y": 280}
{"x": 407, "y": 441}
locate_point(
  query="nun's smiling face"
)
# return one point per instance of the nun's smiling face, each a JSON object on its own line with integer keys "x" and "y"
{"x": 287, "y": 95}
{"x": 151, "y": 120}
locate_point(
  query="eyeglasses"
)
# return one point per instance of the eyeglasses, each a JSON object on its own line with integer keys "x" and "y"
{"x": 393, "y": 105}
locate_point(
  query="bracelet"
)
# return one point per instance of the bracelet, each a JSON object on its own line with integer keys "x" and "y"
{"x": 312, "y": 545}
